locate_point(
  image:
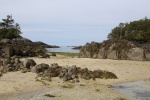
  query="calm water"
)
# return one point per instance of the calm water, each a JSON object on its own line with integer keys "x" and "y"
{"x": 63, "y": 49}
{"x": 134, "y": 90}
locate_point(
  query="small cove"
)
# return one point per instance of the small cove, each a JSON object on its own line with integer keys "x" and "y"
{"x": 63, "y": 49}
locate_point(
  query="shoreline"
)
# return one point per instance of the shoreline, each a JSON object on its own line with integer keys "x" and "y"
{"x": 22, "y": 83}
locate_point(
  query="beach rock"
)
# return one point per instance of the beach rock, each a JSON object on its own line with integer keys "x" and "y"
{"x": 63, "y": 72}
{"x": 86, "y": 76}
{"x": 40, "y": 68}
{"x": 8, "y": 51}
{"x": 68, "y": 73}
{"x": 17, "y": 61}
{"x": 54, "y": 65}
{"x": 9, "y": 67}
{"x": 20, "y": 47}
{"x": 28, "y": 63}
{"x": 54, "y": 70}
{"x": 5, "y": 41}
{"x": 1, "y": 68}
{"x": 72, "y": 70}
{"x": 108, "y": 75}
{"x": 117, "y": 50}
{"x": 6, "y": 62}
{"x": 65, "y": 77}
{"x": 97, "y": 73}
{"x": 34, "y": 70}
{"x": 136, "y": 54}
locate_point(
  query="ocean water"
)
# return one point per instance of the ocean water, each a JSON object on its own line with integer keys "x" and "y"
{"x": 63, "y": 49}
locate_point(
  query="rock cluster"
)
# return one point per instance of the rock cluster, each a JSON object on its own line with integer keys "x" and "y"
{"x": 45, "y": 71}
{"x": 21, "y": 47}
{"x": 11, "y": 64}
{"x": 118, "y": 50}
{"x": 70, "y": 73}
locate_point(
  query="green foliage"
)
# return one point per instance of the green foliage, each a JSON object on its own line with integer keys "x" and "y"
{"x": 138, "y": 31}
{"x": 8, "y": 29}
{"x": 68, "y": 86}
{"x": 68, "y": 54}
{"x": 49, "y": 95}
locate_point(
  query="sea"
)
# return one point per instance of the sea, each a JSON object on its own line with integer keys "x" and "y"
{"x": 63, "y": 49}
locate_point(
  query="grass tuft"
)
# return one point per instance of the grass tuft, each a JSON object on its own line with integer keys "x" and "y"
{"x": 67, "y": 86}
{"x": 49, "y": 95}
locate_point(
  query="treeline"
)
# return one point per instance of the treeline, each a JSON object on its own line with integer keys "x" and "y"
{"x": 137, "y": 31}
{"x": 9, "y": 29}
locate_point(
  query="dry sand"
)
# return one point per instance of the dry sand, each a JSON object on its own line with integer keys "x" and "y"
{"x": 23, "y": 86}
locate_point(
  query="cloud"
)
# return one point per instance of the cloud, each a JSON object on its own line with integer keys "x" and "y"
{"x": 91, "y": 20}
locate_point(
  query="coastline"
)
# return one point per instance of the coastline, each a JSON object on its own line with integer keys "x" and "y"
{"x": 21, "y": 84}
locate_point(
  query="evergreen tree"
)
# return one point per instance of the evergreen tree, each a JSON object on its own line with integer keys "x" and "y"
{"x": 8, "y": 29}
{"x": 138, "y": 31}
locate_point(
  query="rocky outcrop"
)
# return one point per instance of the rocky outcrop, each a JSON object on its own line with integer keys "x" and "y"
{"x": 44, "y": 45}
{"x": 10, "y": 64}
{"x": 21, "y": 47}
{"x": 121, "y": 50}
{"x": 72, "y": 73}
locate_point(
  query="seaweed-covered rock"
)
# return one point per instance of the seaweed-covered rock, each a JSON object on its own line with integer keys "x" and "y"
{"x": 8, "y": 51}
{"x": 118, "y": 49}
{"x": 28, "y": 63}
{"x": 1, "y": 74}
{"x": 108, "y": 75}
{"x": 34, "y": 69}
{"x": 69, "y": 73}
{"x": 6, "y": 62}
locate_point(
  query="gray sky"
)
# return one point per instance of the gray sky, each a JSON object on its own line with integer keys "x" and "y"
{"x": 72, "y": 22}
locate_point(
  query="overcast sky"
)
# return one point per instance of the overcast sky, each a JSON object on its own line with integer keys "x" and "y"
{"x": 72, "y": 22}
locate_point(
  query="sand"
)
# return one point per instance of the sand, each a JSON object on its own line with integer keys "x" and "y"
{"x": 23, "y": 86}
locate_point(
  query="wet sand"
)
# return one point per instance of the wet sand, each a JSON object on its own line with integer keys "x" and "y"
{"x": 135, "y": 90}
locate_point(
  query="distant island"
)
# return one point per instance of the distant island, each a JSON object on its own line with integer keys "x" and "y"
{"x": 46, "y": 45}
{"x": 75, "y": 47}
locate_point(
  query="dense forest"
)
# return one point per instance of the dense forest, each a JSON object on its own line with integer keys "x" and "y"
{"x": 137, "y": 31}
{"x": 9, "y": 29}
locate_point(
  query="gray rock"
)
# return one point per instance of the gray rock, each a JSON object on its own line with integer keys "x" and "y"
{"x": 34, "y": 69}
{"x": 9, "y": 67}
{"x": 5, "y": 41}
{"x": 72, "y": 70}
{"x": 6, "y": 62}
{"x": 29, "y": 62}
{"x": 136, "y": 54}
{"x": 119, "y": 49}
{"x": 17, "y": 61}
{"x": 8, "y": 51}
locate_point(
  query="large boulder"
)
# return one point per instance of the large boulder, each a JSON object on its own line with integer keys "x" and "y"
{"x": 39, "y": 68}
{"x": 28, "y": 63}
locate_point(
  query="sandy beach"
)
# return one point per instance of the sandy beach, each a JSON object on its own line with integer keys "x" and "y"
{"x": 24, "y": 86}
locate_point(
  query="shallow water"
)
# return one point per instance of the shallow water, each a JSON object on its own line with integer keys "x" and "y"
{"x": 134, "y": 90}
{"x": 63, "y": 49}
